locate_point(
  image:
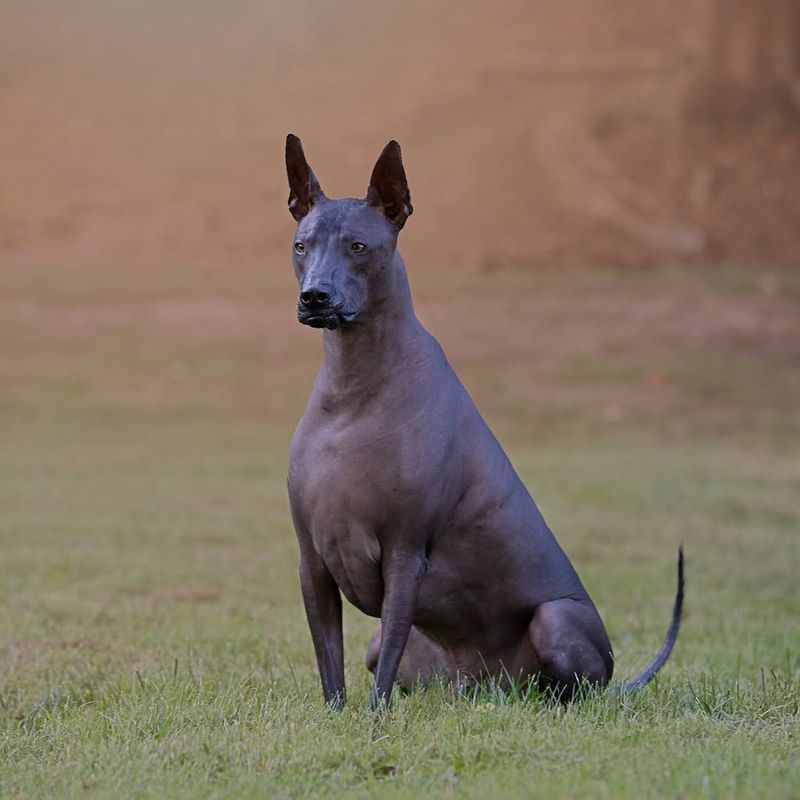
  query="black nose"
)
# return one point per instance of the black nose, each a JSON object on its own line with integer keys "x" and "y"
{"x": 315, "y": 297}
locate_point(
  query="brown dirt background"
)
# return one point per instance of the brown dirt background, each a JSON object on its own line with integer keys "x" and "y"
{"x": 535, "y": 134}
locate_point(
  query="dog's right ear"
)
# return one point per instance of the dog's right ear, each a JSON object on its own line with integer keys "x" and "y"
{"x": 304, "y": 188}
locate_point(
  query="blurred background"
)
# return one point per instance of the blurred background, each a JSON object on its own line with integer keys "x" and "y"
{"x": 606, "y": 240}
{"x": 537, "y": 134}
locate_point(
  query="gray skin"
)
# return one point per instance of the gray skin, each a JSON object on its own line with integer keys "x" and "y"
{"x": 401, "y": 497}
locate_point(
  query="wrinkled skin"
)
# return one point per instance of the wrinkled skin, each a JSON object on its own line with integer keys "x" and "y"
{"x": 401, "y": 497}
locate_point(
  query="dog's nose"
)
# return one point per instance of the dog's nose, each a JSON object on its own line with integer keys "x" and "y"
{"x": 315, "y": 297}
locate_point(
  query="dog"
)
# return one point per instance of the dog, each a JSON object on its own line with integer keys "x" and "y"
{"x": 401, "y": 497}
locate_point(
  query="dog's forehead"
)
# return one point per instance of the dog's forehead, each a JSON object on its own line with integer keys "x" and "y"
{"x": 332, "y": 216}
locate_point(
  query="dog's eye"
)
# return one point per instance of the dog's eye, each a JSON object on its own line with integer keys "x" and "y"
{"x": 358, "y": 247}
{"x": 299, "y": 247}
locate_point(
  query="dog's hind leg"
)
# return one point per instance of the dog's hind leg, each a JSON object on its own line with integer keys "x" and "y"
{"x": 423, "y": 659}
{"x": 570, "y": 646}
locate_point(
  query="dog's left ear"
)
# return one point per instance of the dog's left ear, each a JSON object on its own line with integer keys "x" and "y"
{"x": 388, "y": 188}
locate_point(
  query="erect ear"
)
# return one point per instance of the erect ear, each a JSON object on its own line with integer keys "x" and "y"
{"x": 388, "y": 188}
{"x": 304, "y": 188}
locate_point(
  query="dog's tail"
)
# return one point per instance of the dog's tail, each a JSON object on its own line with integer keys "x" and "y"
{"x": 655, "y": 665}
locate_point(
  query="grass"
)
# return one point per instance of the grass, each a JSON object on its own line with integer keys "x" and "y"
{"x": 152, "y": 639}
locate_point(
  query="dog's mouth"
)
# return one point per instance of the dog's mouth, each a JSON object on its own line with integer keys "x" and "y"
{"x": 329, "y": 317}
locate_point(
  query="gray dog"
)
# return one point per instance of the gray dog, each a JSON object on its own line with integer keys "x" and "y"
{"x": 401, "y": 497}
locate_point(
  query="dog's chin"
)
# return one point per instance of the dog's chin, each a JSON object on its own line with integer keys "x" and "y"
{"x": 330, "y": 320}
{"x": 319, "y": 321}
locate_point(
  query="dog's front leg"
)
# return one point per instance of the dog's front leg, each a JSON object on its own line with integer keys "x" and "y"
{"x": 323, "y": 604}
{"x": 402, "y": 571}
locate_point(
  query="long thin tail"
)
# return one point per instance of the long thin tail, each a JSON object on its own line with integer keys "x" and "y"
{"x": 640, "y": 681}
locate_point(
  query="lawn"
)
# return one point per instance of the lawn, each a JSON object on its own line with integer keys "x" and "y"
{"x": 152, "y": 638}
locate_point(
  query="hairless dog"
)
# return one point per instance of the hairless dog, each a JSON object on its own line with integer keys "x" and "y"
{"x": 401, "y": 497}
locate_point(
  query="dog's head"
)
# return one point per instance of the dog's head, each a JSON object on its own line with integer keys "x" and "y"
{"x": 343, "y": 249}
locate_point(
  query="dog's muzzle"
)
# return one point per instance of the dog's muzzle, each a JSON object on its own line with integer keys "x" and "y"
{"x": 322, "y": 314}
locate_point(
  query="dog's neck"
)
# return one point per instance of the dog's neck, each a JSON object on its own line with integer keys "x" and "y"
{"x": 363, "y": 357}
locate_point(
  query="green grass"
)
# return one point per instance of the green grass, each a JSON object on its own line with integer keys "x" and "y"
{"x": 152, "y": 638}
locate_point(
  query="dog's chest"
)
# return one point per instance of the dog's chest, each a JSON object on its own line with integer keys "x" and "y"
{"x": 361, "y": 480}
{"x": 345, "y": 489}
{"x": 343, "y": 522}
{"x": 362, "y": 468}
{"x": 346, "y": 499}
